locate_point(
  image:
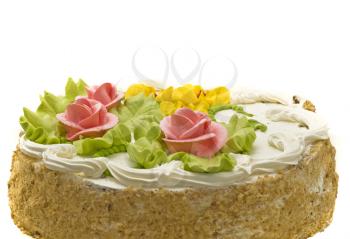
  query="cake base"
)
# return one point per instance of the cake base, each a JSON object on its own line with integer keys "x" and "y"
{"x": 295, "y": 203}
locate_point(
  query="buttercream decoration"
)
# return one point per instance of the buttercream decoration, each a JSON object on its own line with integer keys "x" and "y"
{"x": 191, "y": 96}
{"x": 188, "y": 94}
{"x": 73, "y": 89}
{"x": 219, "y": 163}
{"x": 147, "y": 153}
{"x": 215, "y": 109}
{"x": 193, "y": 132}
{"x": 176, "y": 69}
{"x": 241, "y": 135}
{"x": 106, "y": 94}
{"x": 139, "y": 110}
{"x": 86, "y": 117}
{"x": 136, "y": 89}
{"x": 113, "y": 141}
{"x": 168, "y": 107}
{"x": 151, "y": 57}
{"x": 277, "y": 140}
{"x": 63, "y": 158}
{"x": 41, "y": 126}
{"x": 214, "y": 68}
{"x": 217, "y": 96}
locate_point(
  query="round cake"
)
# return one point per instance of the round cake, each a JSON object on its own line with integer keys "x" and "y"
{"x": 179, "y": 162}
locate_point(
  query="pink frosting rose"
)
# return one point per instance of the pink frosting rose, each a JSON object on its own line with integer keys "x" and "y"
{"x": 86, "y": 117}
{"x": 106, "y": 94}
{"x": 193, "y": 132}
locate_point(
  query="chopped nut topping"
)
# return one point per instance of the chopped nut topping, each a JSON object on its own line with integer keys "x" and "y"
{"x": 296, "y": 99}
{"x": 309, "y": 106}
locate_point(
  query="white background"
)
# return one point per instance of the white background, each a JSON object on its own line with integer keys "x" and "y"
{"x": 300, "y": 47}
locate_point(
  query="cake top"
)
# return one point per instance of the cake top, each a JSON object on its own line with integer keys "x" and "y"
{"x": 187, "y": 133}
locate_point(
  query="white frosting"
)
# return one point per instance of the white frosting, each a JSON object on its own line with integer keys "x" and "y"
{"x": 63, "y": 158}
{"x": 31, "y": 149}
{"x": 256, "y": 96}
{"x": 290, "y": 130}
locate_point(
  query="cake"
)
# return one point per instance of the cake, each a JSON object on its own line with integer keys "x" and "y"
{"x": 179, "y": 162}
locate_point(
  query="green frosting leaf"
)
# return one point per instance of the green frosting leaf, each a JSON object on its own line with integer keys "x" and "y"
{"x": 75, "y": 89}
{"x": 114, "y": 141}
{"x": 151, "y": 131}
{"x": 241, "y": 135}
{"x": 257, "y": 125}
{"x": 215, "y": 109}
{"x": 148, "y": 150}
{"x": 141, "y": 114}
{"x": 138, "y": 110}
{"x": 219, "y": 163}
{"x": 42, "y": 126}
{"x": 52, "y": 104}
{"x": 241, "y": 130}
{"x": 147, "y": 153}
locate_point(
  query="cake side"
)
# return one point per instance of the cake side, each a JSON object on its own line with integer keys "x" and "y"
{"x": 295, "y": 203}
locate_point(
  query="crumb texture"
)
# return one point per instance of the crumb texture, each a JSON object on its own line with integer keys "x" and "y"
{"x": 296, "y": 203}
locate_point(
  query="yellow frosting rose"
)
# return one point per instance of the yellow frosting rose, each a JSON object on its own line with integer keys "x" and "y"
{"x": 217, "y": 96}
{"x": 190, "y": 96}
{"x": 169, "y": 107}
{"x": 136, "y": 89}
